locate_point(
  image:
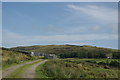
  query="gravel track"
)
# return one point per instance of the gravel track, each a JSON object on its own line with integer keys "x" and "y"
{"x": 8, "y": 71}
{"x": 30, "y": 72}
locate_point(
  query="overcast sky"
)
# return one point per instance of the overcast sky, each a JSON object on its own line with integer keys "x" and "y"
{"x": 78, "y": 23}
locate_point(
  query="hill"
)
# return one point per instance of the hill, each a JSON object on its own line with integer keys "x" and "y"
{"x": 69, "y": 51}
{"x": 10, "y": 57}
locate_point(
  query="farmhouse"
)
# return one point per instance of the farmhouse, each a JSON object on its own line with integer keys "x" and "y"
{"x": 49, "y": 56}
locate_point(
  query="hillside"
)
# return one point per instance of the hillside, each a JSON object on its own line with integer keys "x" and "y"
{"x": 10, "y": 57}
{"x": 71, "y": 50}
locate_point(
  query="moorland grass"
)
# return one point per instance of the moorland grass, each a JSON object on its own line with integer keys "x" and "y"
{"x": 76, "y": 68}
{"x": 39, "y": 73}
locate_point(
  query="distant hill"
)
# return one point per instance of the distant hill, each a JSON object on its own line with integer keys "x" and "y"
{"x": 70, "y": 50}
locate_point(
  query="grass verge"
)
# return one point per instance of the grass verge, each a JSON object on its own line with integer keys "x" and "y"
{"x": 39, "y": 73}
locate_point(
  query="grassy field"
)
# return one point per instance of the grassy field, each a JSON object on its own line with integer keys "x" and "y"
{"x": 77, "y": 68}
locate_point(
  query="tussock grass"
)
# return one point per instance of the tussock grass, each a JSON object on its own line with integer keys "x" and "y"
{"x": 39, "y": 73}
{"x": 77, "y": 68}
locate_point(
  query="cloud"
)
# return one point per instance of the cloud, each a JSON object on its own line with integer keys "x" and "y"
{"x": 114, "y": 28}
{"x": 83, "y": 29}
{"x": 13, "y": 39}
{"x": 77, "y": 25}
{"x": 80, "y": 43}
{"x": 98, "y": 12}
{"x": 53, "y": 28}
{"x": 103, "y": 17}
{"x": 95, "y": 28}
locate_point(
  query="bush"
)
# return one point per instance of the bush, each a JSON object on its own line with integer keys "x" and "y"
{"x": 116, "y": 55}
{"x": 102, "y": 63}
{"x": 91, "y": 61}
{"x": 10, "y": 61}
{"x": 114, "y": 63}
{"x": 17, "y": 61}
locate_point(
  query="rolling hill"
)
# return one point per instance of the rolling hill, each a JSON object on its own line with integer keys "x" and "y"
{"x": 70, "y": 50}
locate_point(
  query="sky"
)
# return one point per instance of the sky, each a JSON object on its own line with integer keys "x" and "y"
{"x": 60, "y": 0}
{"x": 59, "y": 23}
{"x": 0, "y": 24}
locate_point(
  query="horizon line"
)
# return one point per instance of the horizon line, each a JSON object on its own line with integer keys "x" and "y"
{"x": 59, "y": 44}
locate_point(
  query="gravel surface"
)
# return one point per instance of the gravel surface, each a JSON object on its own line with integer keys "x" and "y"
{"x": 30, "y": 72}
{"x": 9, "y": 70}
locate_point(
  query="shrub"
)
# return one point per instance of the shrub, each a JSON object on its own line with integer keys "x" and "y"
{"x": 102, "y": 63}
{"x": 90, "y": 61}
{"x": 106, "y": 67}
{"x": 114, "y": 63}
{"x": 17, "y": 61}
{"x": 116, "y": 55}
{"x": 10, "y": 61}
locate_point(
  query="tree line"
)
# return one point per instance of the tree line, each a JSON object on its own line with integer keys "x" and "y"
{"x": 88, "y": 54}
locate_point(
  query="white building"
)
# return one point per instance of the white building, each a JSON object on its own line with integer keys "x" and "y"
{"x": 32, "y": 54}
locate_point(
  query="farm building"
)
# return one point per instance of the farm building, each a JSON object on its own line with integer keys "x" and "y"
{"x": 49, "y": 56}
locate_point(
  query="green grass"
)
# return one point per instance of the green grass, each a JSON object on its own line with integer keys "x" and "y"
{"x": 91, "y": 60}
{"x": 58, "y": 49}
{"x": 39, "y": 73}
{"x": 17, "y": 73}
{"x": 12, "y": 58}
{"x": 76, "y": 68}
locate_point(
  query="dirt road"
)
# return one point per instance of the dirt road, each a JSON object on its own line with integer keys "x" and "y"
{"x": 30, "y": 72}
{"x": 8, "y": 71}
